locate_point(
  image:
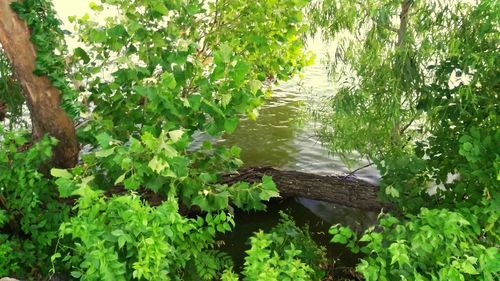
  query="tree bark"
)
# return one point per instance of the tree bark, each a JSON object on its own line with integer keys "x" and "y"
{"x": 42, "y": 97}
{"x": 3, "y": 110}
{"x": 340, "y": 190}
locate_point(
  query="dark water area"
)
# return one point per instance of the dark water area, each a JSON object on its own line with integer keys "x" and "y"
{"x": 319, "y": 216}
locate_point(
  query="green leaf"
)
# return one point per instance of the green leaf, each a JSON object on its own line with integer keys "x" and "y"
{"x": 117, "y": 232}
{"x": 194, "y": 102}
{"x": 159, "y": 7}
{"x": 255, "y": 85}
{"x": 105, "y": 152}
{"x": 168, "y": 80}
{"x": 240, "y": 71}
{"x": 61, "y": 173}
{"x": 339, "y": 238}
{"x": 235, "y": 151}
{"x": 468, "y": 268}
{"x": 230, "y": 124}
{"x": 221, "y": 200}
{"x": 95, "y": 7}
{"x": 81, "y": 54}
{"x": 176, "y": 135}
{"x": 65, "y": 186}
{"x": 104, "y": 140}
{"x": 158, "y": 165}
{"x": 226, "y": 51}
{"x": 268, "y": 183}
{"x": 390, "y": 190}
{"x": 120, "y": 178}
{"x": 132, "y": 182}
{"x": 347, "y": 232}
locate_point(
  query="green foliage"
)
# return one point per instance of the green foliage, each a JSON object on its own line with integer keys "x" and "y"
{"x": 199, "y": 71}
{"x": 285, "y": 253}
{"x": 421, "y": 101}
{"x": 152, "y": 77}
{"x": 433, "y": 245}
{"x": 162, "y": 165}
{"x": 187, "y": 75}
{"x": 121, "y": 238}
{"x": 30, "y": 213}
{"x": 10, "y": 94}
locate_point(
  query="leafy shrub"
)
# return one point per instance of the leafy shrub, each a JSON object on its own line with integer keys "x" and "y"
{"x": 170, "y": 70}
{"x": 435, "y": 244}
{"x": 287, "y": 252}
{"x": 423, "y": 106}
{"x": 123, "y": 237}
{"x": 30, "y": 213}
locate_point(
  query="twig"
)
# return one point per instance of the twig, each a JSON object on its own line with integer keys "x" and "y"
{"x": 357, "y": 170}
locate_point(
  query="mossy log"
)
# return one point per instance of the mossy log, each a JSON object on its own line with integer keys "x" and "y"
{"x": 346, "y": 191}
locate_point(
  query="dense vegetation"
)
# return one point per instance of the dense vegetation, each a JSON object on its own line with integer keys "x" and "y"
{"x": 149, "y": 78}
{"x": 142, "y": 202}
{"x": 419, "y": 97}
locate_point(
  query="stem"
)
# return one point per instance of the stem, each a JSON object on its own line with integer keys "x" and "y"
{"x": 357, "y": 170}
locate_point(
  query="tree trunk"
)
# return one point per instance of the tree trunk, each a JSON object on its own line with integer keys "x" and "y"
{"x": 42, "y": 97}
{"x": 340, "y": 190}
{"x": 3, "y": 110}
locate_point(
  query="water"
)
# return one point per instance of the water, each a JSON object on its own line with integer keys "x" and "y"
{"x": 277, "y": 139}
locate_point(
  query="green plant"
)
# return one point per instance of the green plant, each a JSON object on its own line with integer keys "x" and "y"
{"x": 418, "y": 96}
{"x": 30, "y": 213}
{"x": 432, "y": 245}
{"x": 48, "y": 38}
{"x": 11, "y": 98}
{"x": 122, "y": 237}
{"x": 423, "y": 104}
{"x": 287, "y": 252}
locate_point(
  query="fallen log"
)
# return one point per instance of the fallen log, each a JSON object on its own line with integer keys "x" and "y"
{"x": 344, "y": 191}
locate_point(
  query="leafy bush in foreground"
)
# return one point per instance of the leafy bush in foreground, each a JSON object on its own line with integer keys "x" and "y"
{"x": 150, "y": 79}
{"x": 287, "y": 252}
{"x": 433, "y": 245}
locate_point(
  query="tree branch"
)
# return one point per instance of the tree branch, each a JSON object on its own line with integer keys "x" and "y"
{"x": 403, "y": 20}
{"x": 42, "y": 97}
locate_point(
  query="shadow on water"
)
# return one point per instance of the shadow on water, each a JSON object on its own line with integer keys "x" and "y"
{"x": 319, "y": 216}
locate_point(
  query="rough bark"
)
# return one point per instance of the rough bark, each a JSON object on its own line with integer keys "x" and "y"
{"x": 42, "y": 97}
{"x": 340, "y": 190}
{"x": 3, "y": 110}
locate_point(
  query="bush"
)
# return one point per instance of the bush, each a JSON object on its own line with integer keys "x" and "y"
{"x": 30, "y": 212}
{"x": 435, "y": 244}
{"x": 287, "y": 252}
